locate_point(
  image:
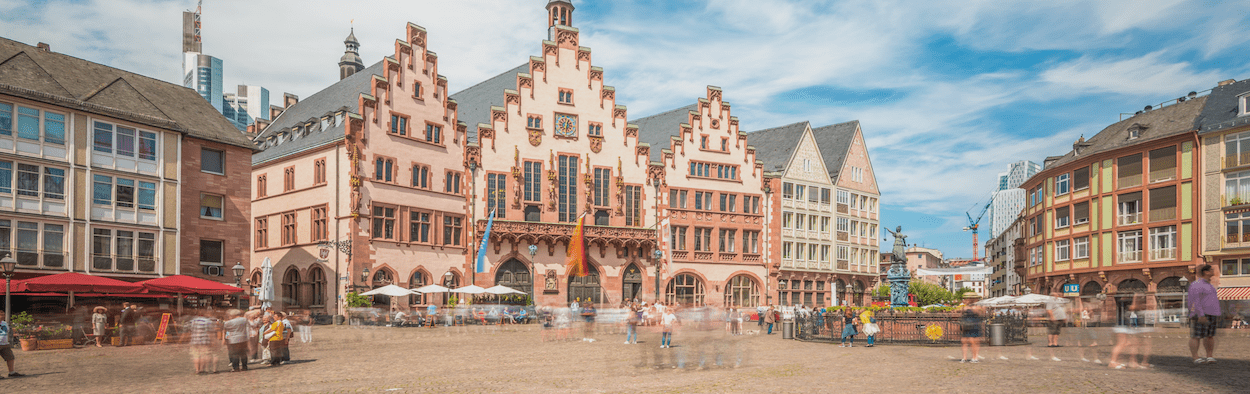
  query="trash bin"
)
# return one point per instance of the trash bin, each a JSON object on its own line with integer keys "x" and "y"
{"x": 787, "y": 329}
{"x": 998, "y": 334}
{"x": 338, "y": 320}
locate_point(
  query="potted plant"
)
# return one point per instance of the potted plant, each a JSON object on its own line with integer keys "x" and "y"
{"x": 23, "y": 327}
{"x": 58, "y": 336}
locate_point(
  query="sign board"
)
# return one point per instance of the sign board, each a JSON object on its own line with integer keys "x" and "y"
{"x": 160, "y": 332}
{"x": 1071, "y": 290}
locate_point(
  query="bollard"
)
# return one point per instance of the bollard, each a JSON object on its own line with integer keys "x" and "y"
{"x": 998, "y": 334}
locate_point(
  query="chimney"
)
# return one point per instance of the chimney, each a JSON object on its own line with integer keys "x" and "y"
{"x": 43, "y": 46}
{"x": 1222, "y": 83}
{"x": 289, "y": 99}
{"x": 1079, "y": 145}
{"x": 261, "y": 124}
{"x": 274, "y": 111}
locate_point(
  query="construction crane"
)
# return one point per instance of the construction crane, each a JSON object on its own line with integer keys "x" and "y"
{"x": 974, "y": 225}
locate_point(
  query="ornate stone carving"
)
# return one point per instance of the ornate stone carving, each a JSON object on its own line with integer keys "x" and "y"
{"x": 486, "y": 133}
{"x": 641, "y": 151}
{"x": 566, "y": 37}
{"x": 713, "y": 94}
{"x": 630, "y": 131}
{"x": 549, "y": 49}
{"x": 536, "y": 136}
{"x": 510, "y": 98}
{"x": 583, "y": 55}
{"x": 596, "y": 75}
{"x": 596, "y": 143}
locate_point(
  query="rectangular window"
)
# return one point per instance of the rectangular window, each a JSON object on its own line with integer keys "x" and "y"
{"x": 750, "y": 242}
{"x": 212, "y": 161}
{"x": 1080, "y": 212}
{"x": 1130, "y": 208}
{"x": 319, "y": 171}
{"x": 497, "y": 194}
{"x": 451, "y": 182}
{"x": 751, "y": 204}
{"x": 1061, "y": 217}
{"x": 724, "y": 144}
{"x": 383, "y": 222}
{"x": 421, "y": 176}
{"x": 799, "y": 192}
{"x": 53, "y": 183}
{"x": 211, "y": 256}
{"x": 262, "y": 233}
{"x": 813, "y": 194}
{"x": 594, "y": 129}
{"x": 262, "y": 183}
{"x": 102, "y": 249}
{"x": 147, "y": 146}
{"x": 1080, "y": 179}
{"x": 27, "y": 180}
{"x": 787, "y": 190}
{"x": 1062, "y": 185}
{"x": 799, "y": 220}
{"x": 679, "y": 237}
{"x": 533, "y": 181}
{"x": 288, "y": 179}
{"x": 824, "y": 224}
{"x": 603, "y": 182}
{"x": 1062, "y": 251}
{"x": 419, "y": 226}
{"x": 125, "y": 193}
{"x": 728, "y": 202}
{"x": 433, "y": 133}
{"x": 1129, "y": 243}
{"x": 453, "y": 227}
{"x": 824, "y": 195}
{"x": 567, "y": 187}
{"x": 566, "y": 96}
{"x": 1128, "y": 171}
{"x": 1080, "y": 248}
{"x": 28, "y": 123}
{"x": 1163, "y": 203}
{"x": 702, "y": 239}
{"x": 6, "y": 177}
{"x": 1163, "y": 164}
{"x": 727, "y": 237}
{"x": 534, "y": 122}
{"x": 844, "y": 197}
{"x": 320, "y": 224}
{"x": 102, "y": 191}
{"x": 1229, "y": 267}
{"x": 399, "y": 125}
{"x": 103, "y": 138}
{"x": 844, "y": 225}
{"x": 6, "y": 119}
{"x": 125, "y": 141}
{"x": 787, "y": 251}
{"x": 1163, "y": 243}
{"x": 824, "y": 253}
{"x": 787, "y": 220}
{"x": 53, "y": 128}
{"x": 210, "y": 204}
{"x": 633, "y": 205}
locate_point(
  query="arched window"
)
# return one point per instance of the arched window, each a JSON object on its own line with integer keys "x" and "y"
{"x": 1131, "y": 286}
{"x": 631, "y": 283}
{"x": 1091, "y": 288}
{"x": 513, "y": 274}
{"x": 382, "y": 278}
{"x": 684, "y": 289}
{"x": 585, "y": 288}
{"x": 418, "y": 279}
{"x": 451, "y": 281}
{"x": 839, "y": 287}
{"x": 858, "y": 298}
{"x": 290, "y": 289}
{"x": 741, "y": 292}
{"x": 318, "y": 278}
{"x": 1170, "y": 285}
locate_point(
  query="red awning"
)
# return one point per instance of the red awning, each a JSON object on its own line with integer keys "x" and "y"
{"x": 1233, "y": 293}
{"x": 96, "y": 295}
{"x": 76, "y": 282}
{"x": 188, "y": 285}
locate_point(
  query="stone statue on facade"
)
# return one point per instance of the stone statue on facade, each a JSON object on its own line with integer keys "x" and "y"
{"x": 898, "y": 275}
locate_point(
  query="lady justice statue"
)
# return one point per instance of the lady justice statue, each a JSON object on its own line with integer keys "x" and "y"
{"x": 898, "y": 276}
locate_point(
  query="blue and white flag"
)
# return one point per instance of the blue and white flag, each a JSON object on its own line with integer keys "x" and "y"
{"x": 480, "y": 267}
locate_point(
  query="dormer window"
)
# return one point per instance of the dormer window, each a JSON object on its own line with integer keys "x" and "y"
{"x": 1243, "y": 103}
{"x": 1134, "y": 131}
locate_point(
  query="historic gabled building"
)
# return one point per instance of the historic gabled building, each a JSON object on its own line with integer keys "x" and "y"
{"x": 110, "y": 173}
{"x": 713, "y": 198}
{"x": 363, "y": 184}
{"x": 549, "y": 145}
{"x": 827, "y": 209}
{"x": 1224, "y": 128}
{"x": 1117, "y": 214}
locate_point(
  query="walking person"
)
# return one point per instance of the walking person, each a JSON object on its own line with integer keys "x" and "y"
{"x": 971, "y": 318}
{"x": 253, "y": 334}
{"x": 126, "y": 324}
{"x": 631, "y": 324}
{"x": 848, "y": 328}
{"x": 1204, "y": 310}
{"x": 666, "y": 322}
{"x": 99, "y": 324}
{"x": 1057, "y": 314}
{"x": 202, "y": 336}
{"x": 6, "y": 347}
{"x": 305, "y": 327}
{"x": 1130, "y": 340}
{"x": 869, "y": 321}
{"x": 759, "y": 316}
{"x": 770, "y": 318}
{"x": 236, "y": 340}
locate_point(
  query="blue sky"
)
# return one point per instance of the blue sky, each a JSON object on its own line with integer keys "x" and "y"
{"x": 948, "y": 93}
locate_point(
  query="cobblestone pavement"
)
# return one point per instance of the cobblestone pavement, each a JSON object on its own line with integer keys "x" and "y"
{"x": 515, "y": 359}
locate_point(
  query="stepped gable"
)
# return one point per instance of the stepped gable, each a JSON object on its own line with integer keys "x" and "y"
{"x": 67, "y": 81}
{"x": 473, "y": 103}
{"x": 343, "y": 95}
{"x": 659, "y": 129}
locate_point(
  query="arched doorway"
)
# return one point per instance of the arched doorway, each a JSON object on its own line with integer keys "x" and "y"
{"x": 317, "y": 278}
{"x": 1169, "y": 295}
{"x": 290, "y": 289}
{"x": 418, "y": 279}
{"x": 382, "y": 278}
{"x": 684, "y": 289}
{"x": 1126, "y": 290}
{"x": 858, "y": 299}
{"x": 631, "y": 283}
{"x": 515, "y": 275}
{"x": 741, "y": 292}
{"x": 585, "y": 288}
{"x": 839, "y": 288}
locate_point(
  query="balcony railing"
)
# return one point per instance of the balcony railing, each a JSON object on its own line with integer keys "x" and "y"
{"x": 703, "y": 256}
{"x": 35, "y": 258}
{"x": 750, "y": 258}
{"x": 115, "y": 263}
{"x": 1163, "y": 254}
{"x": 724, "y": 256}
{"x": 1130, "y": 257}
{"x": 680, "y": 255}
{"x": 1130, "y": 218}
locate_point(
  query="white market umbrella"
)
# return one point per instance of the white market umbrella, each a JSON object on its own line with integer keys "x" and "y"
{"x": 502, "y": 290}
{"x": 998, "y": 301}
{"x": 431, "y": 289}
{"x": 267, "y": 296}
{"x": 1034, "y": 299}
{"x": 470, "y": 289}
{"x": 389, "y": 290}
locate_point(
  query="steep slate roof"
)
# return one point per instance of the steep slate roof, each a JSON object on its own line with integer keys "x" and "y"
{"x": 1160, "y": 123}
{"x": 835, "y": 142}
{"x": 1221, "y": 109}
{"x": 70, "y": 82}
{"x": 775, "y": 146}
{"x": 342, "y": 95}
{"x": 659, "y": 129}
{"x": 473, "y": 104}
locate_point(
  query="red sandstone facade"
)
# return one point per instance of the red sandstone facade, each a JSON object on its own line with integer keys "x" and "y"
{"x": 216, "y": 209}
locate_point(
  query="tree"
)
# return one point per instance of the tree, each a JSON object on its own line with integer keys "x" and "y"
{"x": 355, "y": 300}
{"x": 882, "y": 291}
{"x": 928, "y": 293}
{"x": 959, "y": 294}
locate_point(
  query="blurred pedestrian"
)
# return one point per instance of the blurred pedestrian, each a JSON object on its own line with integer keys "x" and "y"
{"x": 1130, "y": 339}
{"x": 254, "y": 329}
{"x": 848, "y": 328}
{"x": 667, "y": 321}
{"x": 1204, "y": 309}
{"x": 759, "y": 316}
{"x": 202, "y": 337}
{"x": 1057, "y": 315}
{"x": 770, "y": 318}
{"x": 126, "y": 324}
{"x": 971, "y": 318}
{"x": 6, "y": 347}
{"x": 305, "y": 327}
{"x": 236, "y": 340}
{"x": 631, "y": 324}
{"x": 99, "y": 324}
{"x": 278, "y": 333}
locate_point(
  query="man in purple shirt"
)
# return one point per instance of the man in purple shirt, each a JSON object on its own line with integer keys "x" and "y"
{"x": 1204, "y": 312}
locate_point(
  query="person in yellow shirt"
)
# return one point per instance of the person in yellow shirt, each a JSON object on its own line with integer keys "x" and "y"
{"x": 870, "y": 326}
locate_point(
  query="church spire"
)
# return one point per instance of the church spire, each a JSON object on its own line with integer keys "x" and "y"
{"x": 350, "y": 63}
{"x": 560, "y": 12}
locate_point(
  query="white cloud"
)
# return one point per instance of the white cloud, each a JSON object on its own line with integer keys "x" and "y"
{"x": 1145, "y": 75}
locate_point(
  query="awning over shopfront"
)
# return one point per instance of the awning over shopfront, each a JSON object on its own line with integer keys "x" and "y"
{"x": 97, "y": 295}
{"x": 183, "y": 284}
{"x": 1233, "y": 293}
{"x": 75, "y": 282}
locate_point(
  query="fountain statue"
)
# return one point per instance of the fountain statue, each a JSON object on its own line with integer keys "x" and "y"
{"x": 898, "y": 276}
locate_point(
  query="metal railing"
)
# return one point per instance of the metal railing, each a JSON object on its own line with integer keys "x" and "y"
{"x": 35, "y": 258}
{"x": 1163, "y": 254}
{"x": 911, "y": 328}
{"x": 116, "y": 263}
{"x": 1130, "y": 218}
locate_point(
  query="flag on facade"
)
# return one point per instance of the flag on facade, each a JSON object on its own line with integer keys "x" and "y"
{"x": 666, "y": 237}
{"x": 576, "y": 252}
{"x": 480, "y": 266}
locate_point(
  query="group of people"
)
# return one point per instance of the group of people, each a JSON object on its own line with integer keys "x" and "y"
{"x": 261, "y": 335}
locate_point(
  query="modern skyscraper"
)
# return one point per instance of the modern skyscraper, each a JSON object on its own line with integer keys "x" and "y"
{"x": 1008, "y": 198}
{"x": 204, "y": 74}
{"x": 250, "y": 103}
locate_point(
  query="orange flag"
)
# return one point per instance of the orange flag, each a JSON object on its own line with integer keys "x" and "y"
{"x": 576, "y": 252}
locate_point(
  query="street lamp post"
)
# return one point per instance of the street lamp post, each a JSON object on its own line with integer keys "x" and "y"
{"x": 238, "y": 276}
{"x": 1184, "y": 300}
{"x": 659, "y": 238}
{"x": 8, "y": 264}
